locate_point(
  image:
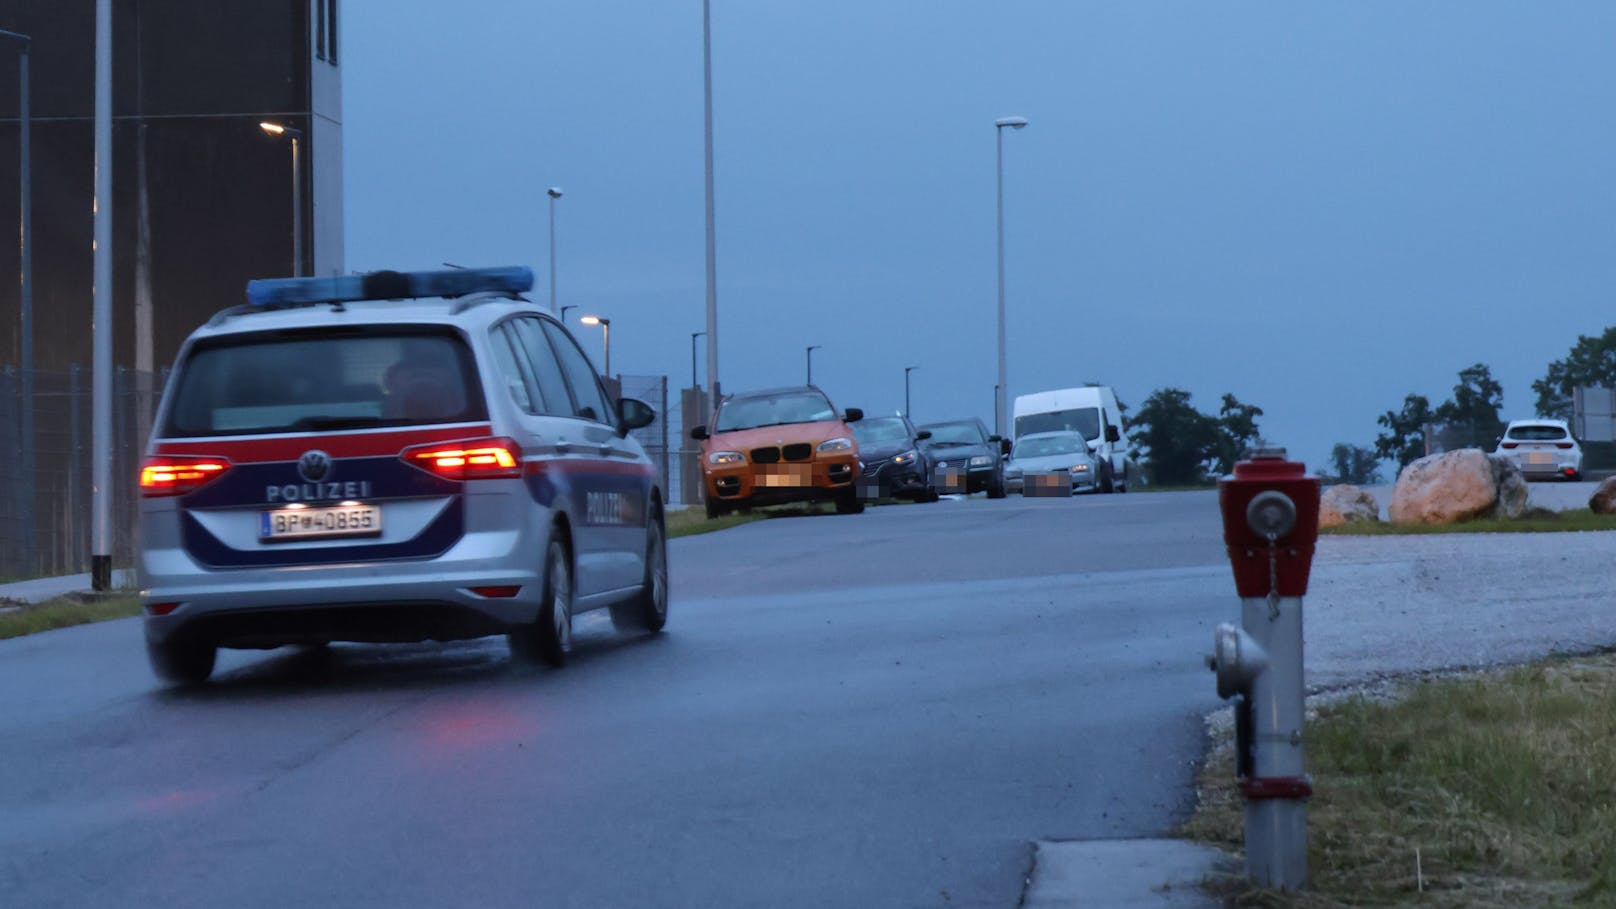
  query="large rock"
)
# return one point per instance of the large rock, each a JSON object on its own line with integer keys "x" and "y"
{"x": 1347, "y": 504}
{"x": 1457, "y": 486}
{"x": 1603, "y": 501}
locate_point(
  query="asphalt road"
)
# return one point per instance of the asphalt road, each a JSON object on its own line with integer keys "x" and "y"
{"x": 873, "y": 710}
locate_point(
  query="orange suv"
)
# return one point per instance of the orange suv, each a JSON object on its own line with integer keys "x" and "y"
{"x": 779, "y": 445}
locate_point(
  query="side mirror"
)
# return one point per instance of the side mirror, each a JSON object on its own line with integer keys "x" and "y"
{"x": 853, "y": 415}
{"x": 1112, "y": 434}
{"x": 632, "y": 413}
{"x": 699, "y": 433}
{"x": 922, "y": 435}
{"x": 995, "y": 438}
{"x": 1004, "y": 447}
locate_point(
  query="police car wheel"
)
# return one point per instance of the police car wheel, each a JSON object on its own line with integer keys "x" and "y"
{"x": 182, "y": 662}
{"x": 549, "y": 639}
{"x": 649, "y": 610}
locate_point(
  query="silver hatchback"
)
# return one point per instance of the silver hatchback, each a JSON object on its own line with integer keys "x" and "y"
{"x": 388, "y": 458}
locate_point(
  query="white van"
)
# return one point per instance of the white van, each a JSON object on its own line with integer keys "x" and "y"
{"x": 1092, "y": 411}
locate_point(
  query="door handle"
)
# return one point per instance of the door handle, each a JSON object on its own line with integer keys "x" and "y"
{"x": 562, "y": 447}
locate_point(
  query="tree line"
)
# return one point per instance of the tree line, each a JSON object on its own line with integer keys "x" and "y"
{"x": 1183, "y": 446}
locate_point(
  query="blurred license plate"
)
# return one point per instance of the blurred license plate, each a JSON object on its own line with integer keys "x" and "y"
{"x": 1539, "y": 457}
{"x": 303, "y": 523}
{"x": 786, "y": 476}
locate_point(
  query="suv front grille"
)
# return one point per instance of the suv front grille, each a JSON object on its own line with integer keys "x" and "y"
{"x": 768, "y": 455}
{"x": 874, "y": 467}
{"x": 799, "y": 451}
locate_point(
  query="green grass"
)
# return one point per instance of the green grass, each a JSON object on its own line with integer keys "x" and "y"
{"x": 1536, "y": 520}
{"x": 65, "y": 613}
{"x": 1503, "y": 782}
{"x": 694, "y": 520}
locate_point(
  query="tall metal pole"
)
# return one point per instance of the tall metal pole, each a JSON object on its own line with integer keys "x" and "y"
{"x": 693, "y": 336}
{"x": 554, "y": 193}
{"x": 606, "y": 336}
{"x": 101, "y": 318}
{"x": 712, "y": 253}
{"x": 999, "y": 404}
{"x": 297, "y": 209}
{"x": 906, "y": 371}
{"x": 998, "y": 389}
{"x": 25, "y": 290}
{"x": 811, "y": 350}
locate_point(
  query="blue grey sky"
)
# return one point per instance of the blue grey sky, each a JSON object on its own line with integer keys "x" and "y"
{"x": 1319, "y": 207}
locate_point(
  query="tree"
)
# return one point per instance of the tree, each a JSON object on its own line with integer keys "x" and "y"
{"x": 1177, "y": 439}
{"x": 1354, "y": 464}
{"x": 1237, "y": 430}
{"x": 1404, "y": 439}
{"x": 1473, "y": 409}
{"x": 1592, "y": 363}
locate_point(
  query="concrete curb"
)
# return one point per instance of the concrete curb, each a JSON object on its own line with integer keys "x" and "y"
{"x": 40, "y": 590}
{"x": 1124, "y": 874}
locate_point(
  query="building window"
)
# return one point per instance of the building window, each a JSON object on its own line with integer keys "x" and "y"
{"x": 319, "y": 28}
{"x": 331, "y": 22}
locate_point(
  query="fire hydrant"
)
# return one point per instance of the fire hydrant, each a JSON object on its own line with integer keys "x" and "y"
{"x": 1270, "y": 524}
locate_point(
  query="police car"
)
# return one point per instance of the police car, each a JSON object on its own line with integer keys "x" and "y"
{"x": 392, "y": 457}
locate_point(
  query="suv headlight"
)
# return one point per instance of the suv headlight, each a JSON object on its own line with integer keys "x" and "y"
{"x": 981, "y": 461}
{"x": 1080, "y": 468}
{"x": 837, "y": 444}
{"x": 726, "y": 457}
{"x": 907, "y": 457}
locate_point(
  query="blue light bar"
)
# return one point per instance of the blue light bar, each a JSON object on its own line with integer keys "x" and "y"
{"x": 271, "y": 293}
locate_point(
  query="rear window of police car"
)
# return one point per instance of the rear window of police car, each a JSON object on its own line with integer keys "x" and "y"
{"x": 324, "y": 380}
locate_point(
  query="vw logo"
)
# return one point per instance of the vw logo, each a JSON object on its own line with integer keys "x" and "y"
{"x": 942, "y": 463}
{"x": 314, "y": 466}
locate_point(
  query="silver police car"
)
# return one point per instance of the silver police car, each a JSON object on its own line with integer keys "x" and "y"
{"x": 392, "y": 457}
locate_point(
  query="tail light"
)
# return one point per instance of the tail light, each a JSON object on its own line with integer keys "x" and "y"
{"x": 470, "y": 459}
{"x": 1564, "y": 445}
{"x": 176, "y": 475}
{"x": 1508, "y": 445}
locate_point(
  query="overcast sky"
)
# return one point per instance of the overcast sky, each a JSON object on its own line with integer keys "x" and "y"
{"x": 1319, "y": 207}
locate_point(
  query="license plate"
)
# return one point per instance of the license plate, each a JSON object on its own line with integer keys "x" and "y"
{"x": 1539, "y": 457}
{"x": 307, "y": 523}
{"x": 786, "y": 477}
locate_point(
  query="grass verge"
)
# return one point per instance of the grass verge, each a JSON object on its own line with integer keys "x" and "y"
{"x": 65, "y": 613}
{"x": 1536, "y": 520}
{"x": 694, "y": 520}
{"x": 1492, "y": 790}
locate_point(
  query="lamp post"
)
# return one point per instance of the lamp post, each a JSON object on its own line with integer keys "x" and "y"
{"x": 606, "y": 332}
{"x": 906, "y": 371}
{"x": 999, "y": 390}
{"x": 563, "y": 314}
{"x": 25, "y": 292}
{"x": 278, "y": 129}
{"x": 101, "y": 312}
{"x": 712, "y": 252}
{"x": 811, "y": 350}
{"x": 554, "y": 193}
{"x": 693, "y": 336}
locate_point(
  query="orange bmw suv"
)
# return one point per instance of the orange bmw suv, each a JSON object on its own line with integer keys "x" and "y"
{"x": 779, "y": 445}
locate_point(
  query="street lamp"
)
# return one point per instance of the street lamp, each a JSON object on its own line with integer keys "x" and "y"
{"x": 25, "y": 253}
{"x": 999, "y": 390}
{"x": 707, "y": 154}
{"x": 693, "y": 336}
{"x": 563, "y": 315}
{"x": 811, "y": 350}
{"x": 906, "y": 371}
{"x": 606, "y": 332}
{"x": 554, "y": 193}
{"x": 277, "y": 129}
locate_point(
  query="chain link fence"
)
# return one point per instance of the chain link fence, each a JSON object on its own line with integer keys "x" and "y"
{"x": 45, "y": 492}
{"x": 663, "y": 432}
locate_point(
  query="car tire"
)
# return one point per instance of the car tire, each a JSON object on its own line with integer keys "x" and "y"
{"x": 849, "y": 504}
{"x": 715, "y": 510}
{"x": 1107, "y": 485}
{"x": 182, "y": 662}
{"x": 996, "y": 486}
{"x": 549, "y": 638}
{"x": 649, "y": 610}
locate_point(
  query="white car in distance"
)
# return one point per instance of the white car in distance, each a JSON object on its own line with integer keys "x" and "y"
{"x": 1542, "y": 449}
